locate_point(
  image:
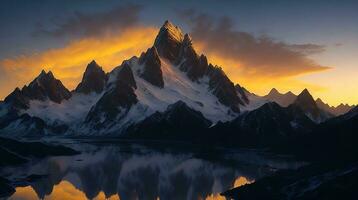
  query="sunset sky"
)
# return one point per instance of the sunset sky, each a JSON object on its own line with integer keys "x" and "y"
{"x": 289, "y": 45}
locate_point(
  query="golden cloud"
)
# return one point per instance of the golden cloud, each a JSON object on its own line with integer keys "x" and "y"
{"x": 68, "y": 63}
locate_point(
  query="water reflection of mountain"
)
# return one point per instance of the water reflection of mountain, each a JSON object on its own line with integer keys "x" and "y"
{"x": 142, "y": 175}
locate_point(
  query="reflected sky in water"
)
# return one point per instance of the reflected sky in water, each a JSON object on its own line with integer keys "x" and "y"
{"x": 136, "y": 172}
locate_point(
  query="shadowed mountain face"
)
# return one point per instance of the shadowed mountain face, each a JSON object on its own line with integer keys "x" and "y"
{"x": 152, "y": 71}
{"x": 94, "y": 79}
{"x": 266, "y": 126}
{"x": 44, "y": 87}
{"x": 168, "y": 41}
{"x": 116, "y": 101}
{"x": 307, "y": 104}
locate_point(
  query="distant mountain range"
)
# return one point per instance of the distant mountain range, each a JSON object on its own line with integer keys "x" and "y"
{"x": 288, "y": 98}
{"x": 168, "y": 91}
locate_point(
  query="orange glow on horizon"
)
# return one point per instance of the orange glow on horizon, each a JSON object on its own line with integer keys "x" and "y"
{"x": 68, "y": 63}
{"x": 239, "y": 181}
{"x": 64, "y": 190}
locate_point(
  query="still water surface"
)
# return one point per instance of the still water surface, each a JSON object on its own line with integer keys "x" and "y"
{"x": 127, "y": 171}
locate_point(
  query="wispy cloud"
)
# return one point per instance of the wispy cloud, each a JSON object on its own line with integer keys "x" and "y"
{"x": 252, "y": 55}
{"x": 92, "y": 24}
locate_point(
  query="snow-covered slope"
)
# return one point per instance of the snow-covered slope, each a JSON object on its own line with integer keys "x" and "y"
{"x": 71, "y": 111}
{"x": 178, "y": 87}
{"x": 253, "y": 101}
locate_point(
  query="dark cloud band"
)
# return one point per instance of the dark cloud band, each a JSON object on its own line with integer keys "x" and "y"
{"x": 258, "y": 55}
{"x": 93, "y": 24}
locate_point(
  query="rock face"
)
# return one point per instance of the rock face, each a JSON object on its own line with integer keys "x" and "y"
{"x": 152, "y": 71}
{"x": 93, "y": 80}
{"x": 43, "y": 87}
{"x": 223, "y": 88}
{"x": 117, "y": 100}
{"x": 46, "y": 86}
{"x": 168, "y": 41}
{"x": 195, "y": 66}
{"x": 243, "y": 93}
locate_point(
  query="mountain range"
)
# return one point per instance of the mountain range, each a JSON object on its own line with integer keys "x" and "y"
{"x": 168, "y": 91}
{"x": 288, "y": 98}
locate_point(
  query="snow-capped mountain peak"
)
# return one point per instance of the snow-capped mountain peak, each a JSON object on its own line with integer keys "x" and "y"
{"x": 172, "y": 31}
{"x": 44, "y": 87}
{"x": 168, "y": 41}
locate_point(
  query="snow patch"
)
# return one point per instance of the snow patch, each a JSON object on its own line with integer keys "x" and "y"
{"x": 68, "y": 111}
{"x": 254, "y": 102}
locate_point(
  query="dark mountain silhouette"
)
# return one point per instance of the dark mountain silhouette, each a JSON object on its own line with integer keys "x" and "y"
{"x": 338, "y": 110}
{"x": 332, "y": 151}
{"x": 93, "y": 80}
{"x": 308, "y": 105}
{"x": 152, "y": 71}
{"x": 44, "y": 86}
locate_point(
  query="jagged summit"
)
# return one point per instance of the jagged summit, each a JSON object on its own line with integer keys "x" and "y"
{"x": 319, "y": 100}
{"x": 93, "y": 79}
{"x": 274, "y": 91}
{"x": 282, "y": 99}
{"x": 187, "y": 40}
{"x": 168, "y": 41}
{"x": 306, "y": 103}
{"x": 305, "y": 98}
{"x": 173, "y": 31}
{"x": 43, "y": 77}
{"x": 335, "y": 110}
{"x": 44, "y": 87}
